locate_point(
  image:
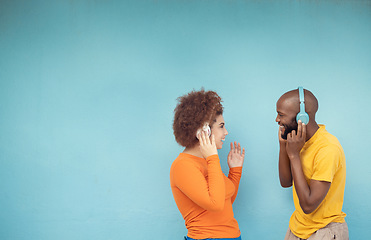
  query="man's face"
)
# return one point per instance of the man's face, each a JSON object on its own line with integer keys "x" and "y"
{"x": 286, "y": 118}
{"x": 289, "y": 127}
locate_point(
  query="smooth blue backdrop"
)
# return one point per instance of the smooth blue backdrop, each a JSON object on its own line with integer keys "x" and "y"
{"x": 88, "y": 88}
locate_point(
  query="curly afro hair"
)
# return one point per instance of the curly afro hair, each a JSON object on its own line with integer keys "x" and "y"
{"x": 192, "y": 112}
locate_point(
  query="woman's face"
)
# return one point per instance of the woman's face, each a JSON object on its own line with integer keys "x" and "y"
{"x": 219, "y": 131}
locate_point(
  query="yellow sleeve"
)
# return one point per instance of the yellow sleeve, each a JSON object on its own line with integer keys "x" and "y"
{"x": 208, "y": 193}
{"x": 326, "y": 163}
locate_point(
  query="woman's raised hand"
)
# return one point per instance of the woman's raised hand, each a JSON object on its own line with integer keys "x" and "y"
{"x": 236, "y": 156}
{"x": 207, "y": 146}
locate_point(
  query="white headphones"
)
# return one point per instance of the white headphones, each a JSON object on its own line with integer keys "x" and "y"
{"x": 205, "y": 128}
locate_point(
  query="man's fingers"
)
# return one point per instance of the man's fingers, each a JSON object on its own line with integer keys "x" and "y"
{"x": 293, "y": 133}
{"x": 299, "y": 128}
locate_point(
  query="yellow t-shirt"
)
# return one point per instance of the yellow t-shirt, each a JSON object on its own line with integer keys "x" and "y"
{"x": 322, "y": 159}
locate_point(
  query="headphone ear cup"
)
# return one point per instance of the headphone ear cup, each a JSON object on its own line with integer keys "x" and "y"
{"x": 205, "y": 128}
{"x": 303, "y": 117}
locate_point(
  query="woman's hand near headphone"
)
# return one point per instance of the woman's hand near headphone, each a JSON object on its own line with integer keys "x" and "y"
{"x": 236, "y": 156}
{"x": 207, "y": 145}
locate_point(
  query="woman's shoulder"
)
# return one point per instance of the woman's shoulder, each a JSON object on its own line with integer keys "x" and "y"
{"x": 185, "y": 161}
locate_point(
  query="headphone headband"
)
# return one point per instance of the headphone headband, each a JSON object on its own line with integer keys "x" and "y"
{"x": 301, "y": 99}
{"x": 302, "y": 115}
{"x": 301, "y": 94}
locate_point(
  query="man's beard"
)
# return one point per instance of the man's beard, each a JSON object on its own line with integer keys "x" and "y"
{"x": 289, "y": 128}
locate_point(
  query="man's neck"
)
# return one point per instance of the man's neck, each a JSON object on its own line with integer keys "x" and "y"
{"x": 311, "y": 130}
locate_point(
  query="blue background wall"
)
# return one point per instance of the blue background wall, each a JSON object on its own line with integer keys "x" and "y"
{"x": 88, "y": 88}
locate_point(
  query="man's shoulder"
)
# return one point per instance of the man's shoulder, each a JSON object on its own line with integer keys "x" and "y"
{"x": 327, "y": 140}
{"x": 328, "y": 147}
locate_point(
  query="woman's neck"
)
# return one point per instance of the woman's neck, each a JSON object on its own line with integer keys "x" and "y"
{"x": 195, "y": 151}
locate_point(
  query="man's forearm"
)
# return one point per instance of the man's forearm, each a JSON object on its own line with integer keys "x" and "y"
{"x": 284, "y": 168}
{"x": 301, "y": 186}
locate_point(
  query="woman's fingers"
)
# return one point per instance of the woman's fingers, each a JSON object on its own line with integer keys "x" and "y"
{"x": 201, "y": 138}
{"x": 236, "y": 148}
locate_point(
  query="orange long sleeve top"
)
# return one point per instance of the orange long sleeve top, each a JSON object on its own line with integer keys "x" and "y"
{"x": 204, "y": 196}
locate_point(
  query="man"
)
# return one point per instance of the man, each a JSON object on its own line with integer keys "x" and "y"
{"x": 313, "y": 162}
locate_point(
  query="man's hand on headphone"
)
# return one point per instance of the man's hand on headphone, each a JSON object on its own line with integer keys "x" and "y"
{"x": 295, "y": 141}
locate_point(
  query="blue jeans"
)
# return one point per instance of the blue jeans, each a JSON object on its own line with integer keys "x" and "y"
{"x": 188, "y": 238}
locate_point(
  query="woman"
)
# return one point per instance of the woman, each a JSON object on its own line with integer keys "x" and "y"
{"x": 203, "y": 194}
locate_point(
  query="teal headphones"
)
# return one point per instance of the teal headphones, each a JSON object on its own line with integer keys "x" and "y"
{"x": 302, "y": 115}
